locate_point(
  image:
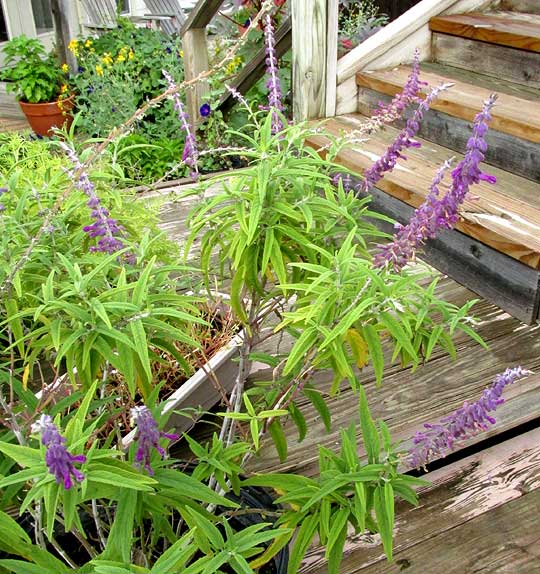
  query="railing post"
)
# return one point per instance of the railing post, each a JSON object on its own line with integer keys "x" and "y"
{"x": 314, "y": 33}
{"x": 195, "y": 61}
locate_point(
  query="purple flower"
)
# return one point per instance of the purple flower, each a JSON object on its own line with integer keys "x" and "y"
{"x": 147, "y": 437}
{"x": 205, "y": 110}
{"x": 441, "y": 213}
{"x": 104, "y": 227}
{"x": 404, "y": 139}
{"x": 2, "y": 191}
{"x": 437, "y": 439}
{"x": 273, "y": 84}
{"x": 409, "y": 94}
{"x": 190, "y": 155}
{"x": 58, "y": 459}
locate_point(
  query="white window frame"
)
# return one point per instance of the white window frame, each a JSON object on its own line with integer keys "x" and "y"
{"x": 19, "y": 20}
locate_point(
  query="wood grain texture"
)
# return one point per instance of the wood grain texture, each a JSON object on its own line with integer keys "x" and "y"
{"x": 504, "y": 151}
{"x": 309, "y": 37}
{"x": 460, "y": 494}
{"x": 464, "y": 99}
{"x": 502, "y": 216}
{"x": 503, "y": 28}
{"x": 195, "y": 62}
{"x": 528, "y": 6}
{"x": 507, "y": 283}
{"x": 517, "y": 66}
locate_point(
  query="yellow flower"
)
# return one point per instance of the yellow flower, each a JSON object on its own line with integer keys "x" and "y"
{"x": 131, "y": 55}
{"x": 121, "y": 58}
{"x": 123, "y": 50}
{"x": 65, "y": 68}
{"x": 181, "y": 53}
{"x": 88, "y": 43}
{"x": 99, "y": 70}
{"x": 64, "y": 89}
{"x": 73, "y": 46}
{"x": 107, "y": 59}
{"x": 233, "y": 65}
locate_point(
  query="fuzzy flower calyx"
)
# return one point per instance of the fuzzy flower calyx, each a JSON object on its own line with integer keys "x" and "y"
{"x": 147, "y": 437}
{"x": 438, "y": 439}
{"x": 273, "y": 84}
{"x": 58, "y": 459}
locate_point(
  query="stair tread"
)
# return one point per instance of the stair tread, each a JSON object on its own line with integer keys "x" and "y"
{"x": 513, "y": 29}
{"x": 465, "y": 98}
{"x": 505, "y": 215}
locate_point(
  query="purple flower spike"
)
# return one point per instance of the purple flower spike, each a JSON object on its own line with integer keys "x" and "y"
{"x": 190, "y": 155}
{"x": 104, "y": 227}
{"x": 58, "y": 459}
{"x": 436, "y": 214}
{"x": 409, "y": 94}
{"x": 438, "y": 439}
{"x": 147, "y": 437}
{"x": 404, "y": 139}
{"x": 273, "y": 83}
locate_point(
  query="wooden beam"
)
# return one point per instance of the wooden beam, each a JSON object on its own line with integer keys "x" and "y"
{"x": 256, "y": 67}
{"x": 201, "y": 15}
{"x": 195, "y": 62}
{"x": 66, "y": 24}
{"x": 309, "y": 25}
{"x": 332, "y": 57}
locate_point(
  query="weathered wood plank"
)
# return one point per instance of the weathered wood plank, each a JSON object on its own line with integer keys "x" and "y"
{"x": 460, "y": 493}
{"x": 465, "y": 100}
{"x": 506, "y": 28}
{"x": 501, "y": 216}
{"x": 528, "y": 6}
{"x": 309, "y": 58}
{"x": 504, "y": 151}
{"x": 195, "y": 62}
{"x": 256, "y": 67}
{"x": 517, "y": 66}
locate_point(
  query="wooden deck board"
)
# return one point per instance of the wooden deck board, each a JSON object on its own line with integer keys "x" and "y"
{"x": 461, "y": 496}
{"x": 505, "y": 216}
{"x": 505, "y": 28}
{"x": 465, "y": 100}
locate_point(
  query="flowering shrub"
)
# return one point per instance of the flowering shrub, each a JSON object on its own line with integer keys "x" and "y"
{"x": 357, "y": 22}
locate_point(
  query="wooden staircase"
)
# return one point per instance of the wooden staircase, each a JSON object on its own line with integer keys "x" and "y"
{"x": 495, "y": 249}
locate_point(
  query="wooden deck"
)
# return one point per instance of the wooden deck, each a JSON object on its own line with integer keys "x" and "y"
{"x": 13, "y": 124}
{"x": 481, "y": 513}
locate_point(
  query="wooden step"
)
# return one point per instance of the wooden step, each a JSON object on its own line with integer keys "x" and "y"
{"x": 505, "y": 216}
{"x": 512, "y": 29}
{"x": 518, "y": 115}
{"x": 509, "y": 64}
{"x": 505, "y": 151}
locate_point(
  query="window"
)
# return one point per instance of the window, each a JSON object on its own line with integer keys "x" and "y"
{"x": 3, "y": 26}
{"x": 43, "y": 18}
{"x": 124, "y": 6}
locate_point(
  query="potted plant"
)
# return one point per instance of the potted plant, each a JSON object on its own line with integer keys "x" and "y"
{"x": 39, "y": 83}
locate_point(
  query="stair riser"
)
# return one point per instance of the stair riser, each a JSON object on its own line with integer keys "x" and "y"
{"x": 507, "y": 283}
{"x": 527, "y": 6}
{"x": 504, "y": 151}
{"x": 501, "y": 62}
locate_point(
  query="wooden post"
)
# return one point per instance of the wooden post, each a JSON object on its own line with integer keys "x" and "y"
{"x": 332, "y": 57}
{"x": 309, "y": 43}
{"x": 195, "y": 62}
{"x": 66, "y": 23}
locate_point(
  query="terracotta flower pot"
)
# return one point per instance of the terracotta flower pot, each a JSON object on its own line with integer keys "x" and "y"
{"x": 43, "y": 117}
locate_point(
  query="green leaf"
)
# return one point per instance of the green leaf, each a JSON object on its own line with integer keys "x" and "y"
{"x": 279, "y": 438}
{"x": 304, "y": 536}
{"x": 119, "y": 541}
{"x": 22, "y": 455}
{"x": 299, "y": 420}
{"x": 304, "y": 343}
{"x": 397, "y": 332}
{"x": 371, "y": 336}
{"x": 383, "y": 502}
{"x": 320, "y": 405}
{"x": 369, "y": 430}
